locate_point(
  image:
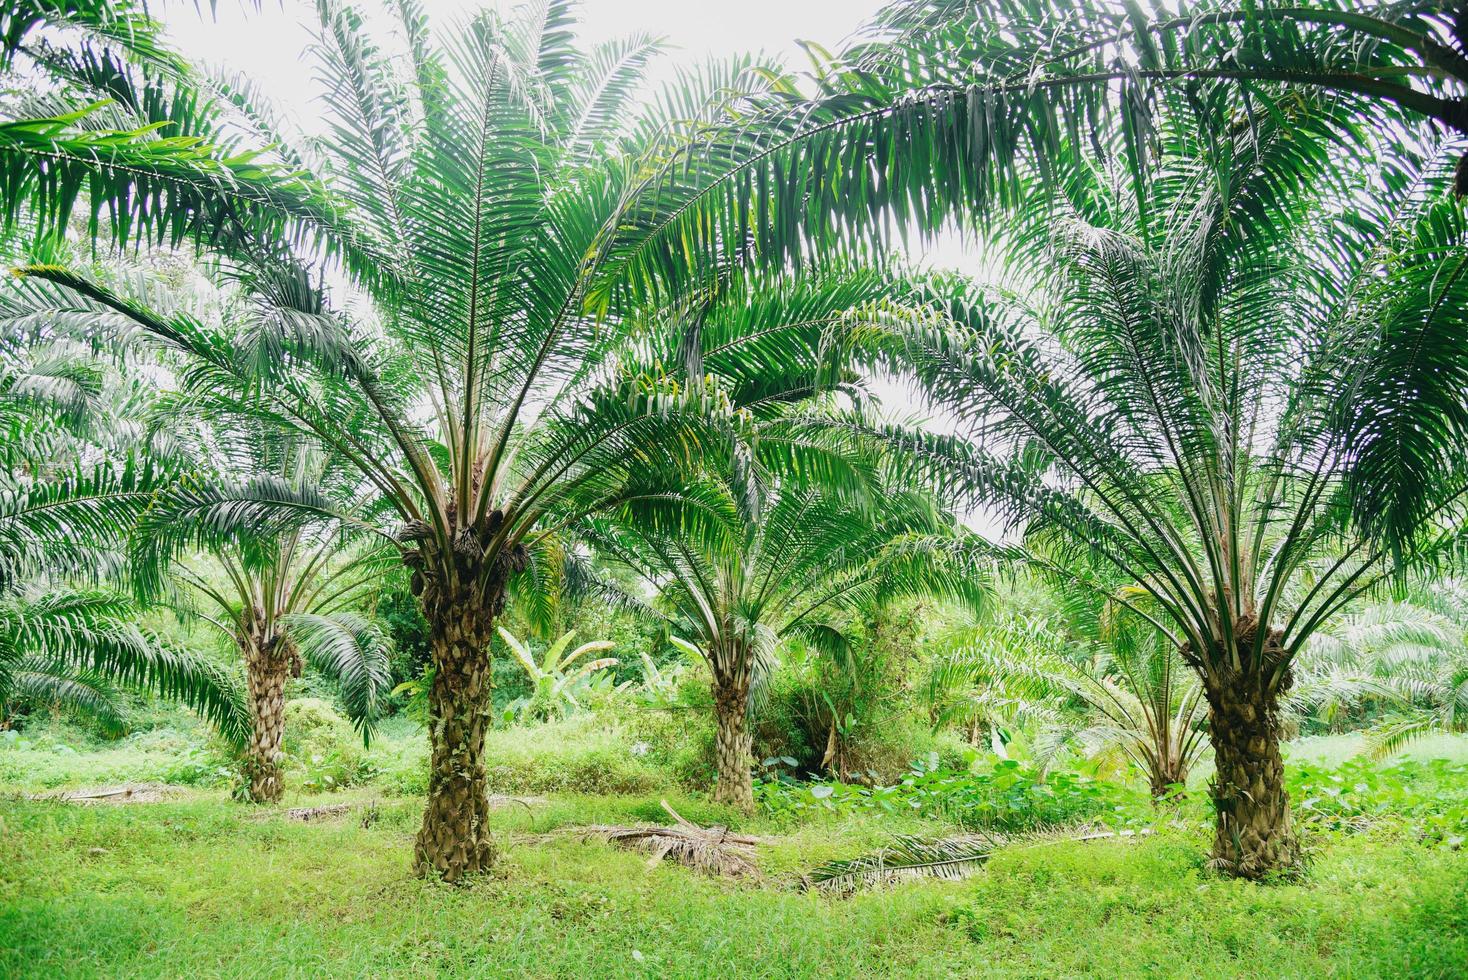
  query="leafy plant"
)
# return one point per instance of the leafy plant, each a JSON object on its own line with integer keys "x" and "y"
{"x": 1427, "y": 797}
{"x": 1007, "y": 798}
{"x": 556, "y": 677}
{"x": 663, "y": 687}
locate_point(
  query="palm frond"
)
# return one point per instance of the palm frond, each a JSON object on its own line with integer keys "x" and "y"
{"x": 92, "y": 631}
{"x": 354, "y": 652}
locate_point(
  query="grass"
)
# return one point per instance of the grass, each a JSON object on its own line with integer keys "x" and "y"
{"x": 203, "y": 886}
{"x": 207, "y": 887}
{"x": 1332, "y": 750}
{"x": 210, "y": 888}
{"x": 586, "y": 752}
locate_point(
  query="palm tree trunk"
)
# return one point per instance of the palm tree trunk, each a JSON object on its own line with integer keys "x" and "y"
{"x": 1253, "y": 835}
{"x": 733, "y": 742}
{"x": 1166, "y": 773}
{"x": 266, "y": 670}
{"x": 455, "y": 840}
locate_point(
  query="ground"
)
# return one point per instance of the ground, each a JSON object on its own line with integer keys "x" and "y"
{"x": 202, "y": 886}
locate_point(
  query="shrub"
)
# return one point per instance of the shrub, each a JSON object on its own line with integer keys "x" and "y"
{"x": 780, "y": 727}
{"x": 1429, "y": 799}
{"x": 623, "y": 750}
{"x": 202, "y": 767}
{"x": 582, "y": 753}
{"x": 1008, "y": 798}
{"x": 321, "y": 747}
{"x": 399, "y": 757}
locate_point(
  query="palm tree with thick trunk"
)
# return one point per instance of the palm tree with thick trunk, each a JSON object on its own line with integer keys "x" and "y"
{"x": 752, "y": 557}
{"x": 284, "y": 596}
{"x": 1242, "y": 402}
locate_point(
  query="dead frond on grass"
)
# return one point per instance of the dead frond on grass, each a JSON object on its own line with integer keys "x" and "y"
{"x": 947, "y": 858}
{"x": 712, "y": 850}
{"x": 127, "y": 793}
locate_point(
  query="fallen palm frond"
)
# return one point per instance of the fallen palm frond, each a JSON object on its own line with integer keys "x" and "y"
{"x": 904, "y": 859}
{"x": 132, "y": 793}
{"x": 713, "y": 850}
{"x": 306, "y": 814}
{"x": 947, "y": 858}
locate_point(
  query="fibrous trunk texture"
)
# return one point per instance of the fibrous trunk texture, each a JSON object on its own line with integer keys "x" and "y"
{"x": 267, "y": 667}
{"x": 733, "y": 742}
{"x": 455, "y": 839}
{"x": 462, "y": 594}
{"x": 1253, "y": 835}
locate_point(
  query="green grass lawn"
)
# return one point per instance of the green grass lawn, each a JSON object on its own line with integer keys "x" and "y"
{"x": 208, "y": 887}
{"x": 203, "y": 886}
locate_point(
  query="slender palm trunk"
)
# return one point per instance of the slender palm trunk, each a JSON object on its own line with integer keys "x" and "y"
{"x": 1165, "y": 772}
{"x": 455, "y": 839}
{"x": 733, "y": 742}
{"x": 1253, "y": 836}
{"x": 267, "y": 666}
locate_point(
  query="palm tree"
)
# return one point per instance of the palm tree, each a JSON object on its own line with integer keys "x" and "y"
{"x": 1135, "y": 691}
{"x": 496, "y": 394}
{"x": 753, "y": 557}
{"x": 1246, "y": 406}
{"x": 69, "y": 490}
{"x": 287, "y": 596}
